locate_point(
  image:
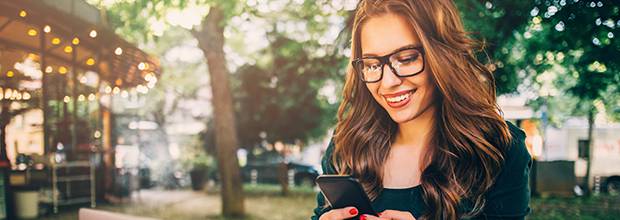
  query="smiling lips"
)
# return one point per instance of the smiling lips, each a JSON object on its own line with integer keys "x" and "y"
{"x": 399, "y": 99}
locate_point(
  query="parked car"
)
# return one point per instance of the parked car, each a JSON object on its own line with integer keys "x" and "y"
{"x": 267, "y": 172}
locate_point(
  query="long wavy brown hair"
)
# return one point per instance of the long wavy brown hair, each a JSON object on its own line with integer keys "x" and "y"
{"x": 469, "y": 133}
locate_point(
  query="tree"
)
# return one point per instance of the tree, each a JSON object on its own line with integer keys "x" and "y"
{"x": 493, "y": 24}
{"x": 279, "y": 98}
{"x": 146, "y": 20}
{"x": 570, "y": 48}
{"x": 210, "y": 36}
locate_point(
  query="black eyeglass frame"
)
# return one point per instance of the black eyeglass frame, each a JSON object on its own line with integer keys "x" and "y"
{"x": 386, "y": 60}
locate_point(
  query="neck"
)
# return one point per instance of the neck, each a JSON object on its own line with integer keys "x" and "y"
{"x": 416, "y": 132}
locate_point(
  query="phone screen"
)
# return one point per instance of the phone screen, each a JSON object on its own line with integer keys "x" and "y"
{"x": 343, "y": 191}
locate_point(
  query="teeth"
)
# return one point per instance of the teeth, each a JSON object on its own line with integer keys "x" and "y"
{"x": 398, "y": 98}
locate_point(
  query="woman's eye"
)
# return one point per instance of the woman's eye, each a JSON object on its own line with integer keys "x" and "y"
{"x": 408, "y": 59}
{"x": 372, "y": 67}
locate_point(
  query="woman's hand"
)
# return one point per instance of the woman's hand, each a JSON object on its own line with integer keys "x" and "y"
{"x": 339, "y": 214}
{"x": 390, "y": 215}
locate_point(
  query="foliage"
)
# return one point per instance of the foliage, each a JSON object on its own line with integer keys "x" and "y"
{"x": 571, "y": 50}
{"x": 493, "y": 24}
{"x": 278, "y": 101}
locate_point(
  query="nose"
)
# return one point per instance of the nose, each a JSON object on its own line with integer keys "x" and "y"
{"x": 390, "y": 79}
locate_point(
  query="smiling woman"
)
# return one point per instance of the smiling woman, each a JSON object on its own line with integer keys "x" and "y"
{"x": 419, "y": 126}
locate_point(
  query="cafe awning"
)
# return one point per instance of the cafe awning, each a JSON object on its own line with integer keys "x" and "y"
{"x": 71, "y": 34}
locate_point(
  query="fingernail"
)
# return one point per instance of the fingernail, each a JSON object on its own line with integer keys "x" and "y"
{"x": 380, "y": 213}
{"x": 363, "y": 217}
{"x": 353, "y": 211}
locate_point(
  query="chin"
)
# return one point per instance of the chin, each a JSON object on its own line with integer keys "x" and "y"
{"x": 402, "y": 117}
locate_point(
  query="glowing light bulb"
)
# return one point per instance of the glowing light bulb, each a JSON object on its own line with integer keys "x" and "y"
{"x": 93, "y": 34}
{"x": 55, "y": 41}
{"x": 90, "y": 61}
{"x": 118, "y": 51}
{"x": 32, "y": 32}
{"x": 62, "y": 70}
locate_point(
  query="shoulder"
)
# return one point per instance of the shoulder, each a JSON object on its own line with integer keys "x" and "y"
{"x": 510, "y": 194}
{"x": 516, "y": 155}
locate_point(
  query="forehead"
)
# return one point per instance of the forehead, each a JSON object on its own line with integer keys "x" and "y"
{"x": 385, "y": 33}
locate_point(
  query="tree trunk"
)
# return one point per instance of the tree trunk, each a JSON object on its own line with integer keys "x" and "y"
{"x": 211, "y": 41}
{"x": 283, "y": 177}
{"x": 586, "y": 181}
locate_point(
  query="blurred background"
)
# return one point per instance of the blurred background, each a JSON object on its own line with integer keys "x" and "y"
{"x": 214, "y": 109}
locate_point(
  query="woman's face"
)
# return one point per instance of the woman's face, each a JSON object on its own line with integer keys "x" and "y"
{"x": 404, "y": 98}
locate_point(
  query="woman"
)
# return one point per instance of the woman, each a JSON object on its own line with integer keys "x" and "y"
{"x": 419, "y": 125}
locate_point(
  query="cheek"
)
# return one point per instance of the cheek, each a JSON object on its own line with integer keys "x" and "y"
{"x": 429, "y": 89}
{"x": 373, "y": 88}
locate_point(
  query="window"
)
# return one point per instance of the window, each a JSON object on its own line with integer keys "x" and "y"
{"x": 583, "y": 148}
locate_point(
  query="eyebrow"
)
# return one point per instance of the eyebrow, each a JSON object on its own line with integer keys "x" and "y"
{"x": 400, "y": 48}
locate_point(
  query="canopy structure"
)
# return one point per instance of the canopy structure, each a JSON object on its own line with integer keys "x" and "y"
{"x": 73, "y": 61}
{"x": 71, "y": 33}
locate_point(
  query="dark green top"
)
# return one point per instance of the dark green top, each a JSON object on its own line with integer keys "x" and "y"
{"x": 508, "y": 198}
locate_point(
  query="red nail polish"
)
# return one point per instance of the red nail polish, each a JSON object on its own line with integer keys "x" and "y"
{"x": 353, "y": 211}
{"x": 380, "y": 214}
{"x": 363, "y": 217}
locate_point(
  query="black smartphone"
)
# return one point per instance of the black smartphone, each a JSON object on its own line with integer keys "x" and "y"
{"x": 343, "y": 191}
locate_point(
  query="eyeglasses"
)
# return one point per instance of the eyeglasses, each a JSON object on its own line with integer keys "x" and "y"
{"x": 405, "y": 62}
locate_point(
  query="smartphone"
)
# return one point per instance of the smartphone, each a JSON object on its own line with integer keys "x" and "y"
{"x": 343, "y": 191}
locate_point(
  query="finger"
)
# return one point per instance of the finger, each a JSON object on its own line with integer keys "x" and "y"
{"x": 399, "y": 215}
{"x": 338, "y": 214}
{"x": 370, "y": 217}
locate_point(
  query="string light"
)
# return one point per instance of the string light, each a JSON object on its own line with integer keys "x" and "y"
{"x": 55, "y": 41}
{"x": 93, "y": 34}
{"x": 108, "y": 89}
{"x": 75, "y": 41}
{"x": 67, "y": 99}
{"x": 26, "y": 96}
{"x": 91, "y": 97}
{"x": 90, "y": 61}
{"x": 118, "y": 51}
{"x": 68, "y": 49}
{"x": 62, "y": 70}
{"x": 7, "y": 93}
{"x": 23, "y": 13}
{"x": 32, "y": 56}
{"x": 10, "y": 73}
{"x": 116, "y": 90}
{"x": 142, "y": 66}
{"x": 81, "y": 98}
{"x": 32, "y": 32}
{"x": 49, "y": 69}
{"x": 15, "y": 95}
{"x": 47, "y": 29}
